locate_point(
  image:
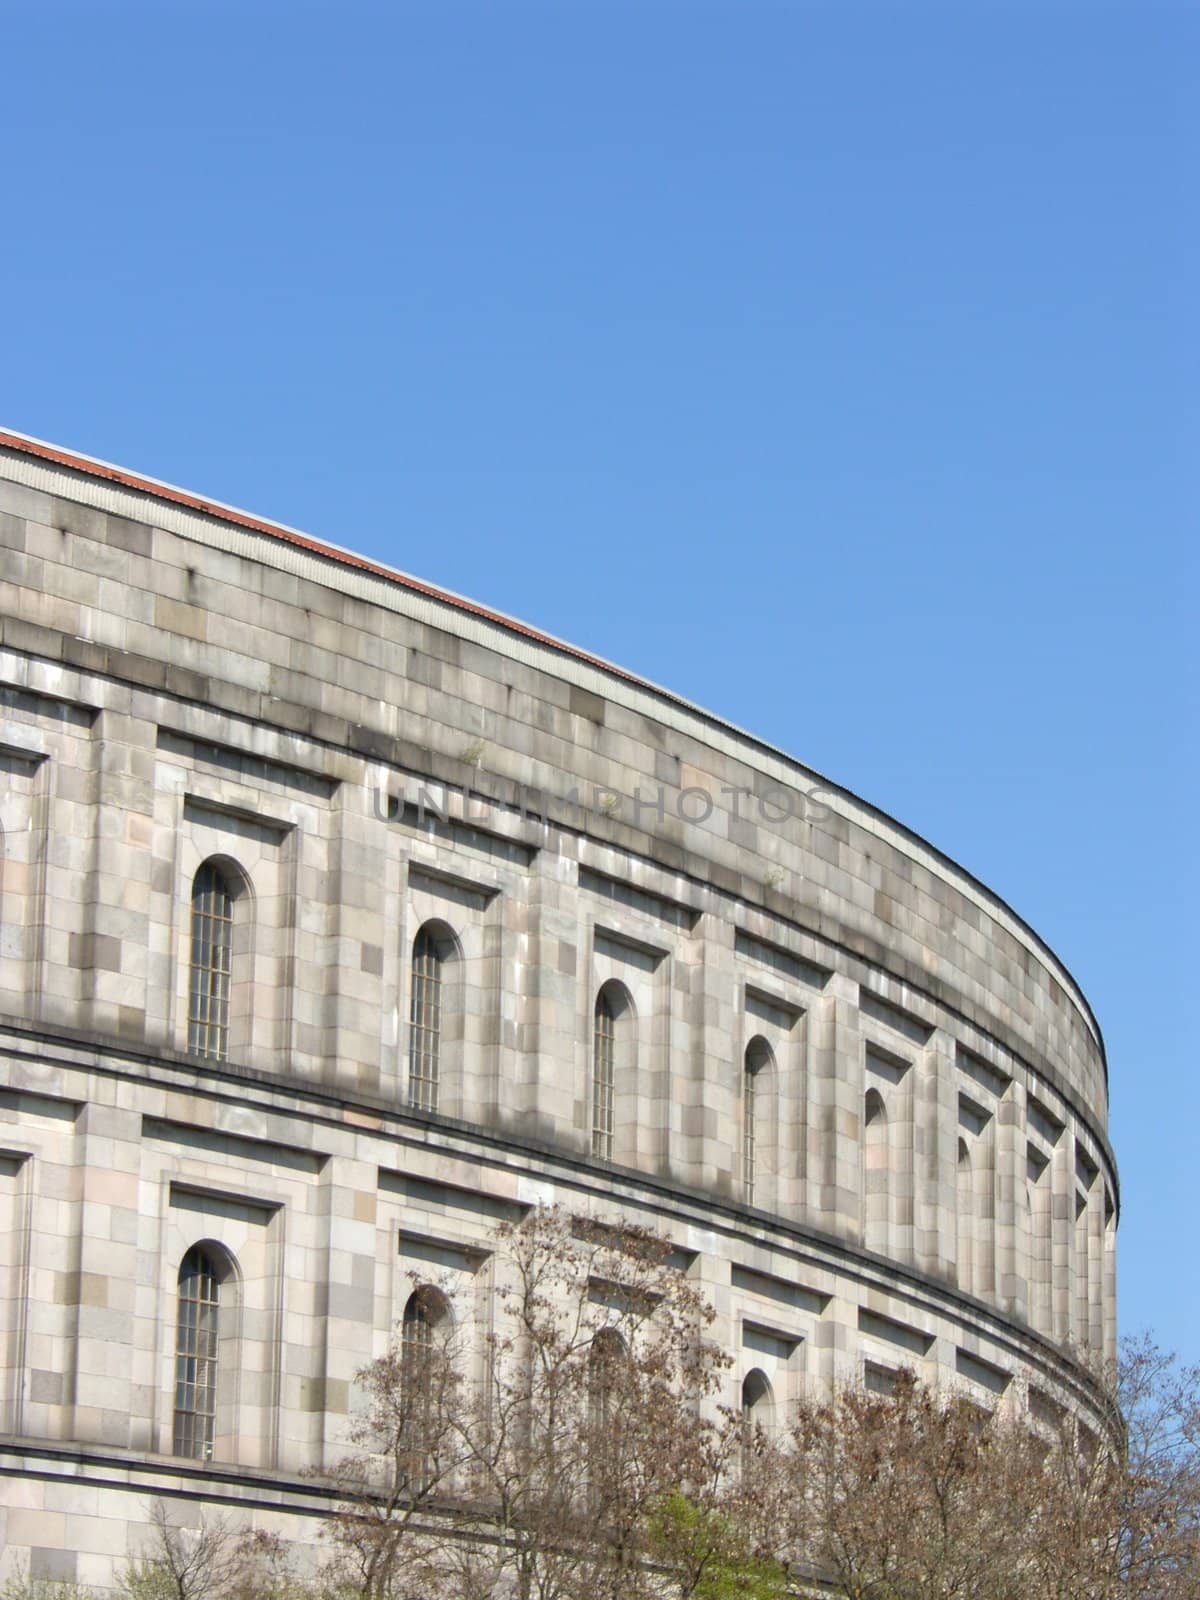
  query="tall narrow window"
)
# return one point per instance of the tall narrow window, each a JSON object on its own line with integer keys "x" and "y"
{"x": 196, "y": 1356}
{"x": 610, "y": 1397}
{"x": 756, "y": 1414}
{"x": 604, "y": 1043}
{"x": 423, "y": 1379}
{"x": 212, "y": 960}
{"x": 1081, "y": 1330}
{"x": 876, "y": 1173}
{"x": 965, "y": 1220}
{"x": 1038, "y": 1185}
{"x": 754, "y": 1104}
{"x": 607, "y": 1354}
{"x": 976, "y": 1197}
{"x": 756, "y": 1399}
{"x": 748, "y": 1131}
{"x": 425, "y": 1022}
{"x": 417, "y": 1335}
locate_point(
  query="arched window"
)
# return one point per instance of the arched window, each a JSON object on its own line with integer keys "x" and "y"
{"x": 748, "y": 1132}
{"x": 756, "y": 1414}
{"x": 196, "y": 1336}
{"x": 976, "y": 1199}
{"x": 425, "y": 1019}
{"x": 965, "y": 1220}
{"x": 1039, "y": 1219}
{"x": 212, "y": 963}
{"x": 1081, "y": 1331}
{"x": 423, "y": 1383}
{"x": 758, "y": 1058}
{"x": 609, "y": 1401}
{"x": 604, "y": 1050}
{"x": 756, "y": 1399}
{"x": 605, "y": 1357}
{"x": 876, "y": 1196}
{"x": 615, "y": 1088}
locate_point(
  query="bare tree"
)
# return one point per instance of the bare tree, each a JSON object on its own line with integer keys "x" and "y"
{"x": 892, "y": 1496}
{"x": 1115, "y": 1511}
{"x": 545, "y": 1462}
{"x": 1158, "y": 1399}
{"x": 576, "y": 1451}
{"x": 406, "y": 1455}
{"x": 924, "y": 1494}
{"x": 184, "y": 1563}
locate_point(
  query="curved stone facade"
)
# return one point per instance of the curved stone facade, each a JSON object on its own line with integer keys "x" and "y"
{"x": 863, "y": 1099}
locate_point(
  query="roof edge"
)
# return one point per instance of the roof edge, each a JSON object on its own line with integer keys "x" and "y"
{"x": 156, "y": 488}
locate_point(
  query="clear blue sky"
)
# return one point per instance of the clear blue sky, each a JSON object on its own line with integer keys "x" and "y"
{"x": 833, "y": 364}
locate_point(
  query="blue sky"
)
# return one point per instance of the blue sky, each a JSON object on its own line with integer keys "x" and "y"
{"x": 828, "y": 363}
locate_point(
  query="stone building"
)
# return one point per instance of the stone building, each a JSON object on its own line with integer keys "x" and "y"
{"x": 342, "y": 916}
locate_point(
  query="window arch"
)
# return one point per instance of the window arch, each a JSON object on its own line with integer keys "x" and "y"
{"x": 876, "y": 1162}
{"x": 755, "y": 1067}
{"x": 214, "y": 893}
{"x": 197, "y": 1334}
{"x": 432, "y": 952}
